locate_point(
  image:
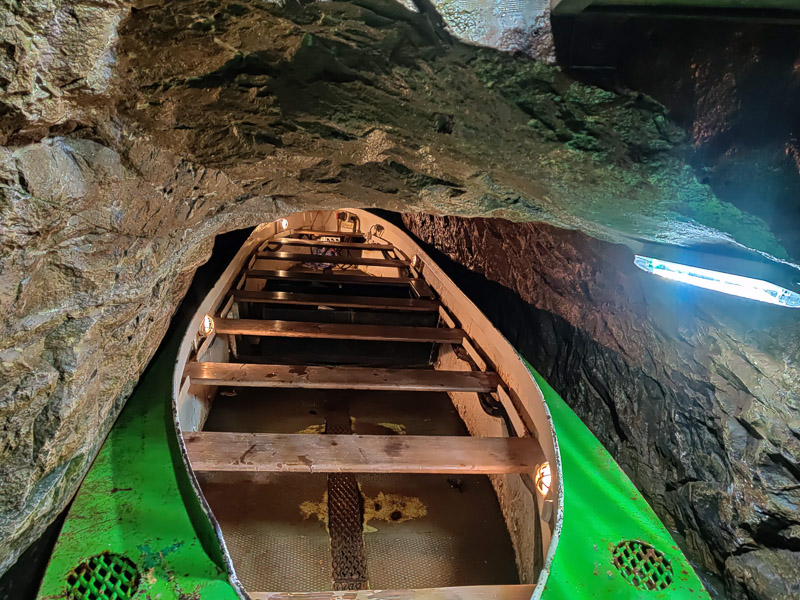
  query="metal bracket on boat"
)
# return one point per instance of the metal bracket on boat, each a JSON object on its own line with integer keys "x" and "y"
{"x": 490, "y": 406}
{"x": 494, "y": 408}
{"x": 547, "y": 510}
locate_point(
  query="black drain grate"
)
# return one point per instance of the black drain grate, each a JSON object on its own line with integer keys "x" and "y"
{"x": 345, "y": 512}
{"x": 642, "y": 565}
{"x": 103, "y": 577}
{"x": 346, "y": 525}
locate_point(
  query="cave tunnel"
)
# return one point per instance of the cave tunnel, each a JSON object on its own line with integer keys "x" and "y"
{"x": 400, "y": 299}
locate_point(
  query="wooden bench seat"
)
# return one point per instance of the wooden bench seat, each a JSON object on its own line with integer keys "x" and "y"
{"x": 319, "y": 276}
{"x": 287, "y": 241}
{"x": 339, "y": 331}
{"x": 341, "y": 234}
{"x": 334, "y": 260}
{"x": 306, "y": 453}
{"x": 339, "y": 377}
{"x": 468, "y": 592}
{"x": 332, "y": 300}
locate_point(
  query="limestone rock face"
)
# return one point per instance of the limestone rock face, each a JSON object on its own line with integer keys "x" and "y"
{"x": 695, "y": 394}
{"x": 134, "y": 132}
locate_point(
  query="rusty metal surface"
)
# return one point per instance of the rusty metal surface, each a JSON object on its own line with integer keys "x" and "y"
{"x": 345, "y": 510}
{"x": 346, "y": 526}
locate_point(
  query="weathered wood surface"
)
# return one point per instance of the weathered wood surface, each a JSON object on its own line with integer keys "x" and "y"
{"x": 371, "y": 302}
{"x": 334, "y": 260}
{"x": 343, "y": 234}
{"x": 473, "y": 592}
{"x": 320, "y": 244}
{"x": 301, "y": 453}
{"x": 328, "y": 277}
{"x": 339, "y": 377}
{"x": 339, "y": 331}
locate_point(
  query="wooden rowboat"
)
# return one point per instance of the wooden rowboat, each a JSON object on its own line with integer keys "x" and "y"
{"x": 347, "y": 424}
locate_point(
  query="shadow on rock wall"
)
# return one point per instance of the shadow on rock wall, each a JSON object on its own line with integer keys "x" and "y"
{"x": 695, "y": 395}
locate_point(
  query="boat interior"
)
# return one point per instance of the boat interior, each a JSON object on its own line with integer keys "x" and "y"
{"x": 352, "y": 422}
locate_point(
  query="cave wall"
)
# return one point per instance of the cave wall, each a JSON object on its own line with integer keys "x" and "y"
{"x": 695, "y": 394}
{"x": 134, "y": 132}
{"x": 732, "y": 84}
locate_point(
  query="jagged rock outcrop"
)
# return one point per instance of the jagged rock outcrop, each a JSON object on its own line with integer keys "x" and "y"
{"x": 695, "y": 394}
{"x": 739, "y": 105}
{"x": 134, "y": 132}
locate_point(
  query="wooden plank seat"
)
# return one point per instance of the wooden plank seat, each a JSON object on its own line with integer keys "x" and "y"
{"x": 469, "y": 592}
{"x": 301, "y": 453}
{"x": 287, "y": 241}
{"x": 321, "y": 277}
{"x": 343, "y": 234}
{"x": 368, "y": 302}
{"x": 334, "y": 260}
{"x": 339, "y": 377}
{"x": 419, "y": 287}
{"x": 339, "y": 331}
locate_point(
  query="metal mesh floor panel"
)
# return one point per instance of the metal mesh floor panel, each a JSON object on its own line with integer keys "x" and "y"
{"x": 461, "y": 540}
{"x": 402, "y": 562}
{"x": 345, "y": 518}
{"x": 273, "y": 548}
{"x": 270, "y": 562}
{"x": 345, "y": 526}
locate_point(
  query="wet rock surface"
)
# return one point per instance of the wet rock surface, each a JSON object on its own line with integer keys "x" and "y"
{"x": 134, "y": 132}
{"x": 734, "y": 86}
{"x": 740, "y": 107}
{"x": 695, "y": 394}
